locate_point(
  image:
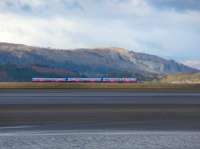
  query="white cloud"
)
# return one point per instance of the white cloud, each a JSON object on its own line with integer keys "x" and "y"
{"x": 132, "y": 24}
{"x": 63, "y": 33}
{"x": 92, "y": 8}
{"x": 192, "y": 63}
{"x": 36, "y": 31}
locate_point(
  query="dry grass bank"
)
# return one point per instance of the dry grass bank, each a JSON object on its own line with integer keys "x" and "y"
{"x": 137, "y": 87}
{"x": 188, "y": 78}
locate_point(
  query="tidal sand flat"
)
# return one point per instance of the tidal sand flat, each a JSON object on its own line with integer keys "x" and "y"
{"x": 100, "y": 116}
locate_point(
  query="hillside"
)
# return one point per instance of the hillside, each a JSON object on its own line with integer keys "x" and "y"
{"x": 20, "y": 63}
{"x": 190, "y": 78}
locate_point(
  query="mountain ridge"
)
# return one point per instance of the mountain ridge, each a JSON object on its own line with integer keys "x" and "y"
{"x": 97, "y": 62}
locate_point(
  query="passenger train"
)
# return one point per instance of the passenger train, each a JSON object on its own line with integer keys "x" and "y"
{"x": 86, "y": 80}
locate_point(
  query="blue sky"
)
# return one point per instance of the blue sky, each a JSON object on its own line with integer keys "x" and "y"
{"x": 168, "y": 28}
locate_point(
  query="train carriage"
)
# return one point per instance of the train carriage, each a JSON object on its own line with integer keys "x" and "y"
{"x": 120, "y": 80}
{"x": 48, "y": 79}
{"x": 86, "y": 80}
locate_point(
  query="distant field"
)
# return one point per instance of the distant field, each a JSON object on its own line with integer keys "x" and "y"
{"x": 139, "y": 86}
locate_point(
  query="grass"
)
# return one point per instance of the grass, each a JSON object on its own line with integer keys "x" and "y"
{"x": 136, "y": 87}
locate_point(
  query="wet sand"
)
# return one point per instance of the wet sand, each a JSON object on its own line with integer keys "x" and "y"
{"x": 98, "y": 116}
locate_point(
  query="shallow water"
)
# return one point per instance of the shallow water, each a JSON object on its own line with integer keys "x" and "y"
{"x": 100, "y": 140}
